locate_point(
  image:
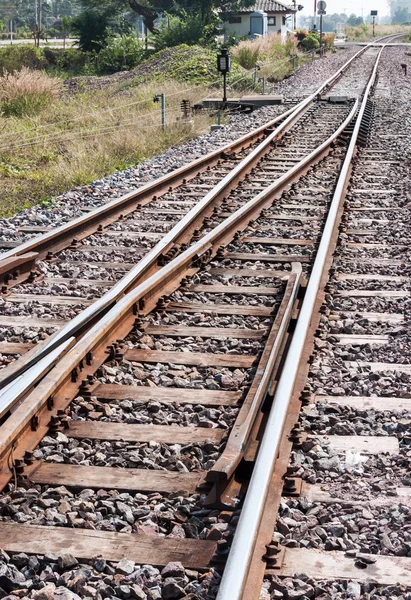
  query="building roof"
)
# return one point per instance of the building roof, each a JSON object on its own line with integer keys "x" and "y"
{"x": 267, "y": 6}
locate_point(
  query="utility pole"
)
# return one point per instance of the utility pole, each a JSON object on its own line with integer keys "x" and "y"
{"x": 321, "y": 11}
{"x": 40, "y": 13}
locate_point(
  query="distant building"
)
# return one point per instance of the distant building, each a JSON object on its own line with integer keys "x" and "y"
{"x": 261, "y": 19}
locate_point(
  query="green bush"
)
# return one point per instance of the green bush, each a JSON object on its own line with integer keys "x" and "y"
{"x": 14, "y": 58}
{"x": 70, "y": 61}
{"x": 24, "y": 32}
{"x": 189, "y": 30}
{"x": 53, "y": 32}
{"x": 247, "y": 57}
{"x": 121, "y": 53}
{"x": 92, "y": 29}
{"x": 311, "y": 42}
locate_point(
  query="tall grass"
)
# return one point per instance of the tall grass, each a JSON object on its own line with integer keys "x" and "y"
{"x": 270, "y": 53}
{"x": 27, "y": 92}
{"x": 84, "y": 137}
{"x": 363, "y": 33}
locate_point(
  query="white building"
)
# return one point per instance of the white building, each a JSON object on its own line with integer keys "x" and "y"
{"x": 263, "y": 18}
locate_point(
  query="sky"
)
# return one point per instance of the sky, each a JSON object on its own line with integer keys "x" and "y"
{"x": 349, "y": 6}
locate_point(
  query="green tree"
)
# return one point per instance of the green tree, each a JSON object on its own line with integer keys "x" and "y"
{"x": 187, "y": 29}
{"x": 150, "y": 9}
{"x": 92, "y": 29}
{"x": 354, "y": 20}
{"x": 401, "y": 15}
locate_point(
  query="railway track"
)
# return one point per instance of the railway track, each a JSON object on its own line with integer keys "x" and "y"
{"x": 64, "y": 285}
{"x": 162, "y": 399}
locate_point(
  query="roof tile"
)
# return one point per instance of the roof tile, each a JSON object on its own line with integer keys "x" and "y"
{"x": 267, "y": 6}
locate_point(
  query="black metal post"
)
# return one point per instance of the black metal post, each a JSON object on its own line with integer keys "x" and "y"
{"x": 321, "y": 35}
{"x": 225, "y": 89}
{"x": 373, "y": 27}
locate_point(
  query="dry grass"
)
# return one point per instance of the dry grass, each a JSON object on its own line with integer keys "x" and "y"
{"x": 363, "y": 33}
{"x": 84, "y": 137}
{"x": 269, "y": 53}
{"x": 27, "y": 92}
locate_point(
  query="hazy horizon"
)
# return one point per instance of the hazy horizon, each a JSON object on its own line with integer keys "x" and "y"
{"x": 358, "y": 7}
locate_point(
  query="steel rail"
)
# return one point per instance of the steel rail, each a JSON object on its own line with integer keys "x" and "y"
{"x": 238, "y": 562}
{"x": 148, "y": 262}
{"x": 146, "y": 295}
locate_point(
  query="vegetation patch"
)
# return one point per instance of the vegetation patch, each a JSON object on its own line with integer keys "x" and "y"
{"x": 72, "y": 141}
{"x": 363, "y": 33}
{"x": 70, "y": 61}
{"x": 274, "y": 58}
{"x": 26, "y": 93}
{"x": 190, "y": 64}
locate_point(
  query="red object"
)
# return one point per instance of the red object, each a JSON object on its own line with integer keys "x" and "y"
{"x": 315, "y": 6}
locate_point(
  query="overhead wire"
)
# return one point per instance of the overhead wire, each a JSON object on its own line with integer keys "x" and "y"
{"x": 74, "y": 134}
{"x": 123, "y": 106}
{"x": 57, "y": 136}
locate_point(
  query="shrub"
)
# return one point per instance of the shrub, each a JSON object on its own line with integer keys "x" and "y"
{"x": 301, "y": 35}
{"x": 70, "y": 60}
{"x": 189, "y": 30}
{"x": 26, "y": 92}
{"x": 311, "y": 42}
{"x": 328, "y": 40}
{"x": 272, "y": 55}
{"x": 14, "y": 58}
{"x": 247, "y": 56}
{"x": 121, "y": 53}
{"x": 92, "y": 29}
